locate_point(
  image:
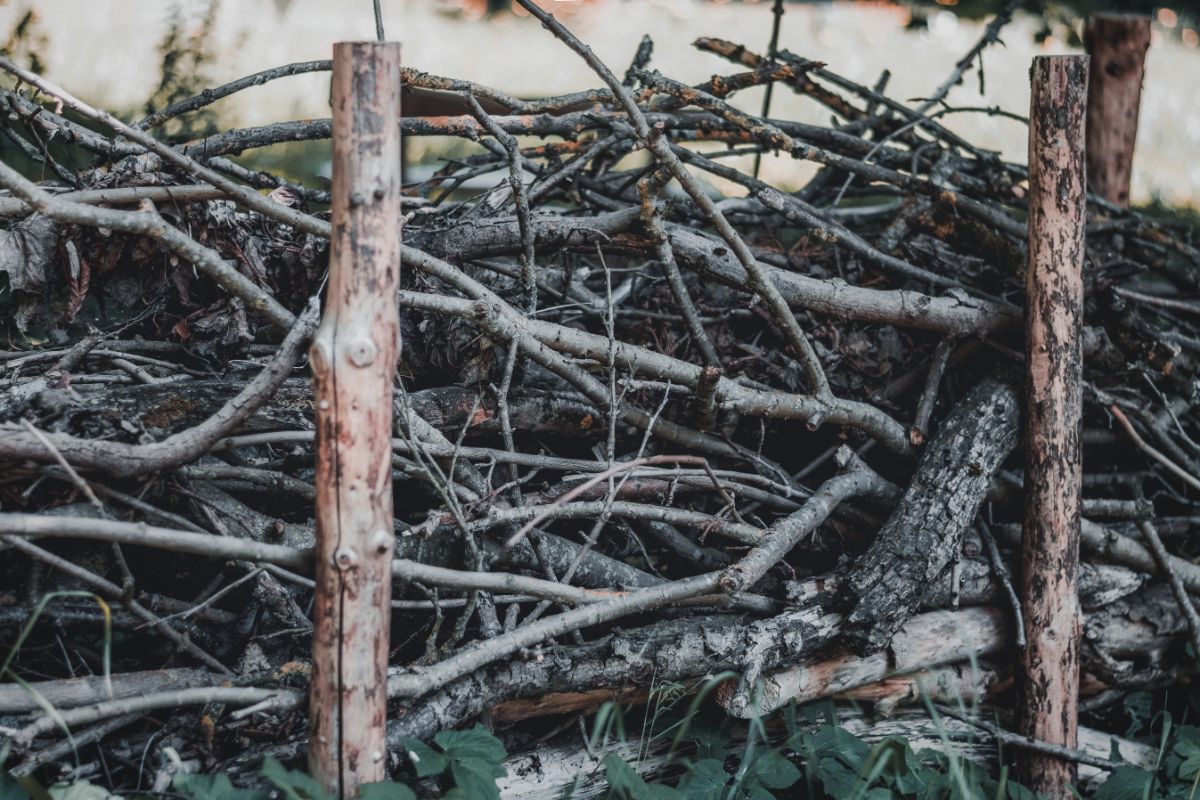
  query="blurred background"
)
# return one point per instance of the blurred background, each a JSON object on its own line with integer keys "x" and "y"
{"x": 130, "y": 57}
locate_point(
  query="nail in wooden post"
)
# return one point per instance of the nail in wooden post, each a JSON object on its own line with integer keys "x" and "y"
{"x": 1117, "y": 44}
{"x": 353, "y": 360}
{"x": 1049, "y": 675}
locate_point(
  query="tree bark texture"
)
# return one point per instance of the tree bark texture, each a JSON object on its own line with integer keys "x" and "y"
{"x": 353, "y": 361}
{"x": 924, "y": 533}
{"x": 1049, "y": 674}
{"x": 1117, "y": 44}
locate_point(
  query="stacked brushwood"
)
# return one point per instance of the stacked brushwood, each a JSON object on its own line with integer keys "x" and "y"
{"x": 657, "y": 419}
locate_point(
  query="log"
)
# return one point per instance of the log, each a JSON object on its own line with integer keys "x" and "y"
{"x": 1048, "y": 678}
{"x": 1117, "y": 44}
{"x": 546, "y": 773}
{"x": 162, "y": 409}
{"x": 925, "y": 641}
{"x": 74, "y": 692}
{"x": 925, "y": 530}
{"x": 1132, "y": 626}
{"x": 353, "y": 362}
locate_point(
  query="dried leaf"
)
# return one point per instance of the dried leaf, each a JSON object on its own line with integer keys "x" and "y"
{"x": 26, "y": 251}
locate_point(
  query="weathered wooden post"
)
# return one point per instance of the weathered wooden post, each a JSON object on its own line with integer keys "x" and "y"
{"x": 1117, "y": 44}
{"x": 1049, "y": 675}
{"x": 353, "y": 362}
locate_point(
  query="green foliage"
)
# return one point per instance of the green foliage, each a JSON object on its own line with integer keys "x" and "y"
{"x": 1138, "y": 709}
{"x": 11, "y": 788}
{"x": 186, "y": 52}
{"x": 625, "y": 784}
{"x": 27, "y": 40}
{"x": 292, "y": 784}
{"x": 814, "y": 759}
{"x": 1126, "y": 783}
{"x": 213, "y": 787}
{"x": 819, "y": 760}
{"x": 469, "y": 759}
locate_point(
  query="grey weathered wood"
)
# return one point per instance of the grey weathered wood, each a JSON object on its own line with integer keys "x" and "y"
{"x": 1130, "y": 625}
{"x": 546, "y": 773}
{"x": 121, "y": 413}
{"x": 925, "y": 530}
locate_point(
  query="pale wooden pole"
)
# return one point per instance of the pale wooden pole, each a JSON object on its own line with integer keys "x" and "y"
{"x": 1117, "y": 44}
{"x": 1049, "y": 674}
{"x": 353, "y": 362}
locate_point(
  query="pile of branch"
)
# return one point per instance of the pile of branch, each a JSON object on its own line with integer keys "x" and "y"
{"x": 657, "y": 418}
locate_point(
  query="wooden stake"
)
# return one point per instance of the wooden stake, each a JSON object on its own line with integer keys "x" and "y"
{"x": 1049, "y": 674}
{"x": 353, "y": 362}
{"x": 1117, "y": 44}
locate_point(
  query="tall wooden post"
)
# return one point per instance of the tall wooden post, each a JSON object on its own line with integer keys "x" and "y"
{"x": 1049, "y": 684}
{"x": 1117, "y": 44}
{"x": 353, "y": 360}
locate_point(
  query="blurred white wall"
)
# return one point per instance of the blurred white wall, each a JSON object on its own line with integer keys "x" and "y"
{"x": 105, "y": 51}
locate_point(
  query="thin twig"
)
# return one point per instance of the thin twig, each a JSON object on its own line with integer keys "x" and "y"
{"x": 520, "y": 197}
{"x": 933, "y": 382}
{"x": 1149, "y": 450}
{"x": 114, "y": 593}
{"x": 1155, "y": 546}
{"x": 379, "y": 37}
{"x": 796, "y": 337}
{"x": 1000, "y": 570}
{"x": 1016, "y": 740}
{"x": 772, "y": 49}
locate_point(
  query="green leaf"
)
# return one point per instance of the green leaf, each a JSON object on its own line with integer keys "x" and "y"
{"x": 833, "y": 741}
{"x": 476, "y": 777}
{"x": 425, "y": 760}
{"x": 712, "y": 741}
{"x": 657, "y": 791}
{"x": 11, "y": 788}
{"x": 1016, "y": 791}
{"x": 836, "y": 778}
{"x": 1138, "y": 709}
{"x": 477, "y": 742}
{"x": 878, "y": 793}
{"x": 622, "y": 780}
{"x": 1125, "y": 783}
{"x": 213, "y": 787}
{"x": 772, "y": 769}
{"x": 625, "y": 783}
{"x": 1187, "y": 747}
{"x": 756, "y": 792}
{"x": 294, "y": 784}
{"x": 704, "y": 780}
{"x": 386, "y": 790}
